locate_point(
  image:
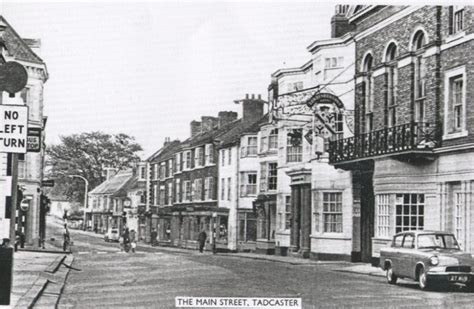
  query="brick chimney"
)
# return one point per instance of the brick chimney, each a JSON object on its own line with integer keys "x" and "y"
{"x": 195, "y": 127}
{"x": 208, "y": 123}
{"x": 167, "y": 141}
{"x": 225, "y": 118}
{"x": 252, "y": 108}
{"x": 339, "y": 22}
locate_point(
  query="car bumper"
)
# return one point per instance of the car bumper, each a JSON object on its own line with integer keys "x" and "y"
{"x": 451, "y": 277}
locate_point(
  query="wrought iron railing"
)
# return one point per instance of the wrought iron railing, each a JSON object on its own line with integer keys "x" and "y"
{"x": 409, "y": 136}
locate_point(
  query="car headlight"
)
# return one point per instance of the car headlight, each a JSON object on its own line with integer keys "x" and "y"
{"x": 434, "y": 260}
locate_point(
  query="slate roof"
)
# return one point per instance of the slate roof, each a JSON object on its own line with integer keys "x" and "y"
{"x": 232, "y": 136}
{"x": 208, "y": 137}
{"x": 114, "y": 184}
{"x": 16, "y": 46}
{"x": 166, "y": 151}
{"x": 130, "y": 185}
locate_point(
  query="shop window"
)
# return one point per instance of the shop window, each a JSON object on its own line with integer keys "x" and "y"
{"x": 332, "y": 212}
{"x": 383, "y": 216}
{"x": 287, "y": 212}
{"x": 247, "y": 227}
{"x": 459, "y": 218}
{"x": 409, "y": 212}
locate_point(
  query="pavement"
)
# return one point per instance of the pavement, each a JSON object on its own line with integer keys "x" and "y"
{"x": 39, "y": 277}
{"x": 363, "y": 269}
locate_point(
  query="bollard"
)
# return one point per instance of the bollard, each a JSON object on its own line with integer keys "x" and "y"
{"x": 6, "y": 271}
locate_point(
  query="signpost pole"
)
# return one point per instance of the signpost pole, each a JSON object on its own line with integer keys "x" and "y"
{"x": 14, "y": 198}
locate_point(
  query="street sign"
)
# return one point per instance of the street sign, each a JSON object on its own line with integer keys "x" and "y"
{"x": 13, "y": 128}
{"x": 25, "y": 205}
{"x": 47, "y": 183}
{"x": 13, "y": 77}
{"x": 33, "y": 140}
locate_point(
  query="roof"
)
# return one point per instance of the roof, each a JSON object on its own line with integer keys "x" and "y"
{"x": 210, "y": 136}
{"x": 130, "y": 185}
{"x": 113, "y": 184}
{"x": 16, "y": 46}
{"x": 166, "y": 152}
{"x": 232, "y": 136}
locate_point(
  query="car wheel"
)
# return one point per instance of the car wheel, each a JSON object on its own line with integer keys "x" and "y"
{"x": 391, "y": 277}
{"x": 422, "y": 279}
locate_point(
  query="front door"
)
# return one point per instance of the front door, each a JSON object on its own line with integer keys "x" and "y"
{"x": 366, "y": 215}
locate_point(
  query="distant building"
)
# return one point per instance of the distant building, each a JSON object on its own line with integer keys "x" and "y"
{"x": 58, "y": 206}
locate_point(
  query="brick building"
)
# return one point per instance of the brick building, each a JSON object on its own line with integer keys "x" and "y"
{"x": 411, "y": 153}
{"x": 30, "y": 165}
{"x": 183, "y": 189}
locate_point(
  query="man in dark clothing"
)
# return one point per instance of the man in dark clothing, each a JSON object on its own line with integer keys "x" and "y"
{"x": 202, "y": 240}
{"x": 154, "y": 234}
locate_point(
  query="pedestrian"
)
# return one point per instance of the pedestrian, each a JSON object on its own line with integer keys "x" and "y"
{"x": 133, "y": 241}
{"x": 66, "y": 238}
{"x": 126, "y": 239}
{"x": 202, "y": 240}
{"x": 154, "y": 235}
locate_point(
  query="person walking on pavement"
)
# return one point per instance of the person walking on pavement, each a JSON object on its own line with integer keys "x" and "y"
{"x": 202, "y": 240}
{"x": 133, "y": 241}
{"x": 154, "y": 235}
{"x": 67, "y": 238}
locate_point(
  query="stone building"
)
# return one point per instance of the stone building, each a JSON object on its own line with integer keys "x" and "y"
{"x": 412, "y": 151}
{"x": 30, "y": 167}
{"x": 312, "y": 214}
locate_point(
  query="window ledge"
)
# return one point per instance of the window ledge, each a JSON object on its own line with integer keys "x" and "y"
{"x": 339, "y": 236}
{"x": 455, "y": 36}
{"x": 449, "y": 136}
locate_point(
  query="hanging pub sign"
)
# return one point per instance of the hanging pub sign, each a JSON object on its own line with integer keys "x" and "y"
{"x": 33, "y": 140}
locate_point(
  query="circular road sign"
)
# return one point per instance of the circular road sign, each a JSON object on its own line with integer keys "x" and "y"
{"x": 25, "y": 205}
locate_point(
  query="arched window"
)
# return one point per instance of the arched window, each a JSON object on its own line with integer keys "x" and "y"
{"x": 392, "y": 83}
{"x": 391, "y": 52}
{"x": 368, "y": 92}
{"x": 419, "y": 40}
{"x": 418, "y": 44}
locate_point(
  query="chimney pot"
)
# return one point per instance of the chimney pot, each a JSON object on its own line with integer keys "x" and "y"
{"x": 253, "y": 96}
{"x": 259, "y": 96}
{"x": 246, "y": 96}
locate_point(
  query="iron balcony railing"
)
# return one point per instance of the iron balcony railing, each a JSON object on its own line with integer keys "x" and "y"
{"x": 409, "y": 136}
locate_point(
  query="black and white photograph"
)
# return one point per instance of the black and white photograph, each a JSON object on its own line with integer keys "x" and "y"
{"x": 236, "y": 154}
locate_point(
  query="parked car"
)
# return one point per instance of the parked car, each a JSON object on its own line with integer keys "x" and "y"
{"x": 112, "y": 235}
{"x": 429, "y": 257}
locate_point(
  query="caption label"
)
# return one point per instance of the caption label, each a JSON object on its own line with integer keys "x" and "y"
{"x": 237, "y": 302}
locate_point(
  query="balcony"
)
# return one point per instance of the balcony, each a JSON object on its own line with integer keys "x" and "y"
{"x": 406, "y": 139}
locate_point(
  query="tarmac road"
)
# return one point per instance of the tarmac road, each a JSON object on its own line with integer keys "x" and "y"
{"x": 109, "y": 278}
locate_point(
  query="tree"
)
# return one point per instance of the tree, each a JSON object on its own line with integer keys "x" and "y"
{"x": 87, "y": 155}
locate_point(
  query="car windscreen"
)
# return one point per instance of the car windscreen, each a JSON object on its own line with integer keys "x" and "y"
{"x": 114, "y": 232}
{"x": 434, "y": 241}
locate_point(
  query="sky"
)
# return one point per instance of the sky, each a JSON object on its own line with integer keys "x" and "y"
{"x": 149, "y": 68}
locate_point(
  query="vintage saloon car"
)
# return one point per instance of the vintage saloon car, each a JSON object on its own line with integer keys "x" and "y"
{"x": 429, "y": 257}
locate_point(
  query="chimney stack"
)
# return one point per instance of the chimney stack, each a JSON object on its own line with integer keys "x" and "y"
{"x": 195, "y": 127}
{"x": 252, "y": 108}
{"x": 208, "y": 123}
{"x": 225, "y": 118}
{"x": 167, "y": 141}
{"x": 339, "y": 22}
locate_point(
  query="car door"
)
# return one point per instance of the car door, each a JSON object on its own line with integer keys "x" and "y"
{"x": 395, "y": 256}
{"x": 407, "y": 255}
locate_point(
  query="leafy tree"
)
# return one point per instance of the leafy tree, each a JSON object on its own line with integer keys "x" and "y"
{"x": 87, "y": 155}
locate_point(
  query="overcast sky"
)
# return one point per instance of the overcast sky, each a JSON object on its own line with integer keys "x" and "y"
{"x": 147, "y": 69}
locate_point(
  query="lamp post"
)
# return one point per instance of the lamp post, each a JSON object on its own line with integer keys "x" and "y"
{"x": 85, "y": 196}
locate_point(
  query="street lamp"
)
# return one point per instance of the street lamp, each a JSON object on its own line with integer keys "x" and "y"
{"x": 85, "y": 196}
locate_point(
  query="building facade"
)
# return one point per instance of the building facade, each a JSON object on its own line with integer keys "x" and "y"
{"x": 312, "y": 105}
{"x": 411, "y": 153}
{"x": 30, "y": 165}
